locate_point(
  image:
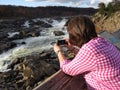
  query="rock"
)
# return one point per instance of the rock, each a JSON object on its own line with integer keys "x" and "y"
{"x": 9, "y": 45}
{"x": 19, "y": 23}
{"x": 12, "y": 23}
{"x": 3, "y": 35}
{"x": 33, "y": 34}
{"x": 4, "y": 46}
{"x": 2, "y": 26}
{"x": 15, "y": 37}
{"x": 25, "y": 34}
{"x": 15, "y": 62}
{"x": 20, "y": 84}
{"x": 58, "y": 18}
{"x": 111, "y": 23}
{"x": 6, "y": 24}
{"x": 27, "y": 72}
{"x": 23, "y": 43}
{"x": 41, "y": 24}
{"x": 58, "y": 33}
{"x": 49, "y": 70}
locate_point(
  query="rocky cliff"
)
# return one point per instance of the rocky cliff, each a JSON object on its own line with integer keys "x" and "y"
{"x": 109, "y": 23}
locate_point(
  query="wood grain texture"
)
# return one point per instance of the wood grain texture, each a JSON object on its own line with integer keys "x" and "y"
{"x": 62, "y": 81}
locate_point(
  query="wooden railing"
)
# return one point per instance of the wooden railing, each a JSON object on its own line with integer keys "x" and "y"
{"x": 61, "y": 81}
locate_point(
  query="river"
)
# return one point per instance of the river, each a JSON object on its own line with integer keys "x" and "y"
{"x": 33, "y": 44}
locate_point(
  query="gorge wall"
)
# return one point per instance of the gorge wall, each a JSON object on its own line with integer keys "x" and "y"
{"x": 110, "y": 23}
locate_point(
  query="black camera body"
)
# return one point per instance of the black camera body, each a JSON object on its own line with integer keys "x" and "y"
{"x": 61, "y": 42}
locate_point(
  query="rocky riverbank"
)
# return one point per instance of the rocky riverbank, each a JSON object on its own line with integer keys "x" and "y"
{"x": 27, "y": 72}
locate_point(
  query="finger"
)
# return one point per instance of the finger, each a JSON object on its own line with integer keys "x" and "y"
{"x": 66, "y": 39}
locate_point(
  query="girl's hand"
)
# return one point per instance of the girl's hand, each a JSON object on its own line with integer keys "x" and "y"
{"x": 69, "y": 46}
{"x": 56, "y": 47}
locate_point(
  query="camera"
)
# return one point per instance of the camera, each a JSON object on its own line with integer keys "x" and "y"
{"x": 61, "y": 42}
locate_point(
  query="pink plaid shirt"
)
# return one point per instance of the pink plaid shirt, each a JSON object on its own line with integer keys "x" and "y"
{"x": 100, "y": 60}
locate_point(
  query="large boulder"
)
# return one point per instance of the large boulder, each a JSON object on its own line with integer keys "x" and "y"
{"x": 58, "y": 33}
{"x": 40, "y": 24}
{"x": 33, "y": 34}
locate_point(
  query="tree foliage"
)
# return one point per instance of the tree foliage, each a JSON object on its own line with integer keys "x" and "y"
{"x": 109, "y": 9}
{"x": 117, "y": 6}
{"x": 101, "y": 8}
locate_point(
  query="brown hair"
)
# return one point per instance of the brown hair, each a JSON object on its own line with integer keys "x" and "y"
{"x": 81, "y": 30}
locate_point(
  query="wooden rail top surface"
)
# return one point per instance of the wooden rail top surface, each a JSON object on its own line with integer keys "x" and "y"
{"x": 61, "y": 81}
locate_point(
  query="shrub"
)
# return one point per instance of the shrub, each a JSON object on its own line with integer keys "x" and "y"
{"x": 101, "y": 8}
{"x": 109, "y": 9}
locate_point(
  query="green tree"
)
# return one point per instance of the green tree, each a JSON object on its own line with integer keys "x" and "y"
{"x": 117, "y": 6}
{"x": 101, "y": 8}
{"x": 110, "y": 8}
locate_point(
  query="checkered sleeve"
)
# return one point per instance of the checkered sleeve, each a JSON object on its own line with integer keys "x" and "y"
{"x": 84, "y": 61}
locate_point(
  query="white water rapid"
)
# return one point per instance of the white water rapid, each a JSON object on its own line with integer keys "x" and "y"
{"x": 33, "y": 44}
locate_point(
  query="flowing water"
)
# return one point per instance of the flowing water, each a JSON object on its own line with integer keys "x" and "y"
{"x": 33, "y": 44}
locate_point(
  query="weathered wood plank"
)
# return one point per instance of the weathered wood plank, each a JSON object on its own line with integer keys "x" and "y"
{"x": 76, "y": 83}
{"x": 48, "y": 83}
{"x": 61, "y": 81}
